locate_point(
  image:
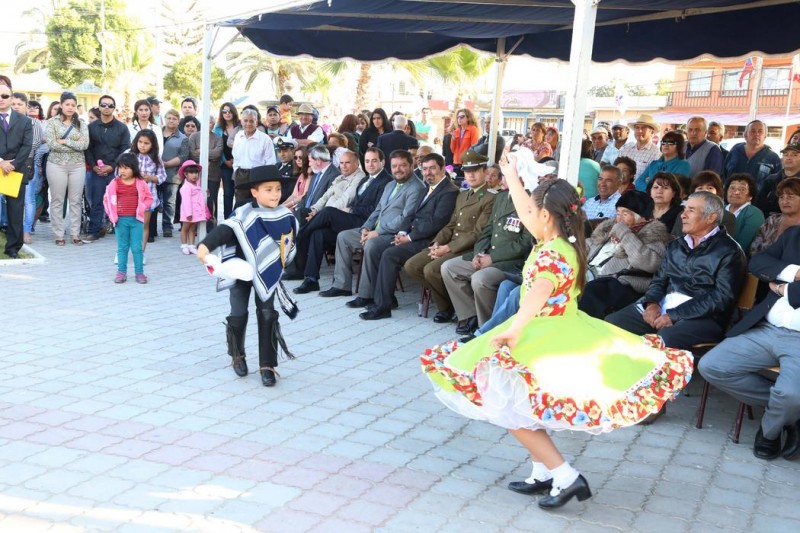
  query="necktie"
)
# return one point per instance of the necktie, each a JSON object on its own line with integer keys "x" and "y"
{"x": 313, "y": 188}
{"x": 4, "y": 118}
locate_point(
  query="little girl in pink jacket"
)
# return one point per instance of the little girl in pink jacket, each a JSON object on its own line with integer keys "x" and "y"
{"x": 193, "y": 204}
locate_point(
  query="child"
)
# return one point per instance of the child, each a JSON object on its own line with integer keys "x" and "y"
{"x": 193, "y": 204}
{"x": 126, "y": 201}
{"x": 550, "y": 366}
{"x": 262, "y": 233}
{"x": 145, "y": 146}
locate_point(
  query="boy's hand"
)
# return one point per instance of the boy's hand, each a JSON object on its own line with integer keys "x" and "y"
{"x": 202, "y": 252}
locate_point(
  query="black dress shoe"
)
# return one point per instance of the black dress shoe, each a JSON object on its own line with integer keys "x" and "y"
{"x": 765, "y": 448}
{"x": 334, "y": 291}
{"x": 268, "y": 377}
{"x": 467, "y": 326}
{"x": 12, "y": 255}
{"x": 359, "y": 302}
{"x": 465, "y": 339}
{"x": 791, "y": 449}
{"x": 523, "y": 487}
{"x": 292, "y": 276}
{"x": 395, "y": 303}
{"x": 307, "y": 286}
{"x": 579, "y": 489}
{"x": 239, "y": 366}
{"x": 443, "y": 317}
{"x": 374, "y": 313}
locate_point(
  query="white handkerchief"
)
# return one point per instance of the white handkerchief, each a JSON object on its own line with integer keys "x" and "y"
{"x": 529, "y": 170}
{"x": 231, "y": 269}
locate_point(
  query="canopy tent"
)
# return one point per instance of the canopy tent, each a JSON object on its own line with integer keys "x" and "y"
{"x": 578, "y": 31}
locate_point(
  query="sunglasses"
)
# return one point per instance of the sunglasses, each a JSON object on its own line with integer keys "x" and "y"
{"x": 298, "y": 158}
{"x": 226, "y": 111}
{"x": 461, "y": 116}
{"x": 108, "y": 106}
{"x": 668, "y": 143}
{"x": 5, "y": 96}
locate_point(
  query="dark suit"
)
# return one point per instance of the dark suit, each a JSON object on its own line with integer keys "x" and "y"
{"x": 757, "y": 342}
{"x": 320, "y": 234}
{"x": 15, "y": 147}
{"x": 316, "y": 188}
{"x": 432, "y": 214}
{"x": 396, "y": 140}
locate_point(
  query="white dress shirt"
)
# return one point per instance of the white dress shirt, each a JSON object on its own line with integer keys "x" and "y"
{"x": 255, "y": 151}
{"x": 782, "y": 314}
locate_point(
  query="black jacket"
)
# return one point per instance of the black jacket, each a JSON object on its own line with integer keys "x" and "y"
{"x": 434, "y": 212}
{"x": 365, "y": 204}
{"x": 396, "y": 140}
{"x": 16, "y": 144}
{"x": 711, "y": 274}
{"x": 767, "y": 197}
{"x": 107, "y": 142}
{"x": 766, "y": 266}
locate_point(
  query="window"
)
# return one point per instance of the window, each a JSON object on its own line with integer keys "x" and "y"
{"x": 775, "y": 81}
{"x": 35, "y": 96}
{"x": 699, "y": 83}
{"x": 730, "y": 83}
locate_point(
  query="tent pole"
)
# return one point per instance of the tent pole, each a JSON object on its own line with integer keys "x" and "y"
{"x": 580, "y": 59}
{"x": 784, "y": 140}
{"x": 205, "y": 114}
{"x": 502, "y": 59}
{"x": 755, "y": 86}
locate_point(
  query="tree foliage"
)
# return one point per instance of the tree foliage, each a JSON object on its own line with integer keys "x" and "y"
{"x": 74, "y": 33}
{"x": 32, "y": 53}
{"x": 184, "y": 30}
{"x": 186, "y": 79}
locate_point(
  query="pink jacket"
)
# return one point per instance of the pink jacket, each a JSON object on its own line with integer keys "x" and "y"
{"x": 193, "y": 202}
{"x": 110, "y": 200}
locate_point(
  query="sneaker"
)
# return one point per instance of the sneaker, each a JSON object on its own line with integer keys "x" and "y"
{"x": 141, "y": 278}
{"x": 193, "y": 249}
{"x": 90, "y": 238}
{"x": 121, "y": 277}
{"x": 185, "y": 249}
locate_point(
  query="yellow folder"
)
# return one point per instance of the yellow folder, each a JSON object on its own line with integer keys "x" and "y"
{"x": 9, "y": 183}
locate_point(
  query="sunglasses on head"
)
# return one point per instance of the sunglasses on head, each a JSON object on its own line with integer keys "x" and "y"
{"x": 107, "y": 105}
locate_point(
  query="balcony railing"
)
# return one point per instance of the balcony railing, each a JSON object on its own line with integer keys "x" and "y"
{"x": 729, "y": 99}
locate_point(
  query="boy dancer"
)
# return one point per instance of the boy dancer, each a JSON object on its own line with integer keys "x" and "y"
{"x": 262, "y": 233}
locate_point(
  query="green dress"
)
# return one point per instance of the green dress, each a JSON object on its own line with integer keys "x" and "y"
{"x": 567, "y": 371}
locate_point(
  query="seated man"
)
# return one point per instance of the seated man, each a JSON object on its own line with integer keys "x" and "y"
{"x": 691, "y": 297}
{"x": 473, "y": 207}
{"x": 392, "y": 215}
{"x": 472, "y": 279}
{"x": 604, "y": 204}
{"x": 432, "y": 214}
{"x": 323, "y": 173}
{"x": 766, "y": 337}
{"x": 342, "y": 190}
{"x": 320, "y": 234}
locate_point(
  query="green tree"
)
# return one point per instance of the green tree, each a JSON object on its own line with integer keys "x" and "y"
{"x": 246, "y": 63}
{"x": 32, "y": 53}
{"x": 460, "y": 69}
{"x": 74, "y": 34}
{"x": 186, "y": 79}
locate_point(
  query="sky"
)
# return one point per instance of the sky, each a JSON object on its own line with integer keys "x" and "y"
{"x": 548, "y": 75}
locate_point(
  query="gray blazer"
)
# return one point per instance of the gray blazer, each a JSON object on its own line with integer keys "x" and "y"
{"x": 395, "y": 213}
{"x": 325, "y": 181}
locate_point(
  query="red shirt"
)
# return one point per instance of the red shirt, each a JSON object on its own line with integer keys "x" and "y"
{"x": 127, "y": 199}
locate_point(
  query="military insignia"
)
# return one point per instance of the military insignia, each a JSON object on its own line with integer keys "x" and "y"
{"x": 287, "y": 241}
{"x": 513, "y": 224}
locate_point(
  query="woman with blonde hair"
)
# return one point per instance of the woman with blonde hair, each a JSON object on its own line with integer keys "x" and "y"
{"x": 465, "y": 134}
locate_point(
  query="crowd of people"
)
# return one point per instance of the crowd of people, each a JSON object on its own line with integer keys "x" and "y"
{"x": 656, "y": 240}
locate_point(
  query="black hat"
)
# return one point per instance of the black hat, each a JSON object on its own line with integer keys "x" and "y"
{"x": 639, "y": 202}
{"x": 260, "y": 175}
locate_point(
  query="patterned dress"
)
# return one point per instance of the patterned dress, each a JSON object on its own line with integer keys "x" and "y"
{"x": 567, "y": 371}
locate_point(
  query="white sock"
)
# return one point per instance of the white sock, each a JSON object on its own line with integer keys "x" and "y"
{"x": 539, "y": 473}
{"x": 563, "y": 477}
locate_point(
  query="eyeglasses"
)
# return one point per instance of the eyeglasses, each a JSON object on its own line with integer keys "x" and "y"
{"x": 461, "y": 116}
{"x": 226, "y": 111}
{"x": 738, "y": 189}
{"x": 108, "y": 106}
{"x": 668, "y": 143}
{"x": 298, "y": 158}
{"x": 787, "y": 196}
{"x": 5, "y": 96}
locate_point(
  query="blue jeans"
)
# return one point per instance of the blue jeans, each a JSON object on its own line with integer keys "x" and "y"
{"x": 506, "y": 306}
{"x": 3, "y": 214}
{"x": 169, "y": 194}
{"x": 95, "y": 189}
{"x": 30, "y": 201}
{"x": 228, "y": 191}
{"x": 129, "y": 232}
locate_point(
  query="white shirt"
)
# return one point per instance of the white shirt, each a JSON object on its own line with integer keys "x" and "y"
{"x": 782, "y": 314}
{"x": 133, "y": 129}
{"x": 255, "y": 151}
{"x": 316, "y": 136}
{"x": 642, "y": 156}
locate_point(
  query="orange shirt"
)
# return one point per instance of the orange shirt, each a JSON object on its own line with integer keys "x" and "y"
{"x": 461, "y": 143}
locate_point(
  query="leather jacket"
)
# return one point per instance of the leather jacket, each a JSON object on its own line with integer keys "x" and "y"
{"x": 712, "y": 274}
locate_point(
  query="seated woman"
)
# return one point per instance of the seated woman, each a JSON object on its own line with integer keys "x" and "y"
{"x": 741, "y": 189}
{"x": 673, "y": 160}
{"x": 777, "y": 223}
{"x": 665, "y": 191}
{"x": 623, "y": 255}
{"x": 709, "y": 181}
{"x": 628, "y": 168}
{"x": 302, "y": 173}
{"x": 588, "y": 170}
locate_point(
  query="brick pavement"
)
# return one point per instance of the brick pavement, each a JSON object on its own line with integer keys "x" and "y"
{"x": 119, "y": 412}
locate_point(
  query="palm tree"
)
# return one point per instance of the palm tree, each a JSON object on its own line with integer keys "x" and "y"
{"x": 248, "y": 63}
{"x": 461, "y": 69}
{"x": 32, "y": 53}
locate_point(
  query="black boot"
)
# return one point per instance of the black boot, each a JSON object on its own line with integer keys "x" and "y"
{"x": 269, "y": 338}
{"x": 235, "y": 328}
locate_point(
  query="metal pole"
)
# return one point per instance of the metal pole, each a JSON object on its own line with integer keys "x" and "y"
{"x": 205, "y": 114}
{"x": 788, "y": 102}
{"x": 502, "y": 59}
{"x": 580, "y": 59}
{"x": 103, "y": 43}
{"x": 754, "y": 89}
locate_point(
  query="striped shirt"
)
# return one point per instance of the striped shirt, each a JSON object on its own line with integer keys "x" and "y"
{"x": 127, "y": 199}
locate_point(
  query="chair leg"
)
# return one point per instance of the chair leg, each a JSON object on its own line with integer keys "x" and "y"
{"x": 750, "y": 412}
{"x": 701, "y": 409}
{"x": 737, "y": 428}
{"x": 425, "y": 302}
{"x": 358, "y": 276}
{"x": 400, "y": 284}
